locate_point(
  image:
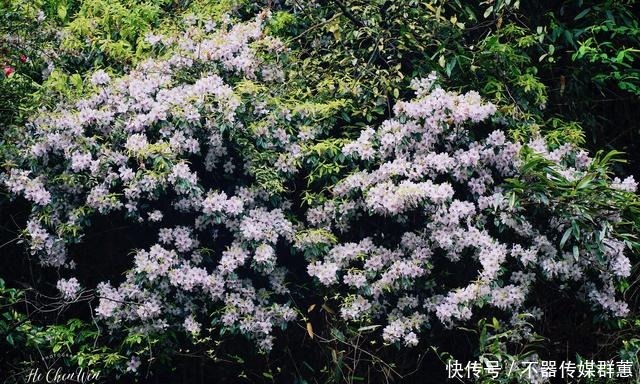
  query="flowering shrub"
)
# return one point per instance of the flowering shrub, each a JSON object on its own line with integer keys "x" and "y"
{"x": 128, "y": 149}
{"x": 443, "y": 194}
{"x": 429, "y": 216}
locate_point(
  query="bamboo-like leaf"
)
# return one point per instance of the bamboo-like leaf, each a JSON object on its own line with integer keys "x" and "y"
{"x": 565, "y": 237}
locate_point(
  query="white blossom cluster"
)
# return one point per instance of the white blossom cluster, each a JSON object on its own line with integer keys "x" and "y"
{"x": 69, "y": 288}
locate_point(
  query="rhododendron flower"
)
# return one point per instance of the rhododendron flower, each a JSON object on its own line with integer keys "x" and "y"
{"x": 133, "y": 364}
{"x": 69, "y": 288}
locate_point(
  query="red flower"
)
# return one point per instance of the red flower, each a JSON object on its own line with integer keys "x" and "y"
{"x": 24, "y": 58}
{"x": 8, "y": 70}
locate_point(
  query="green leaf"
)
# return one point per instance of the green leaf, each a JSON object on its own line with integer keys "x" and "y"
{"x": 576, "y": 229}
{"x": 335, "y": 332}
{"x": 76, "y": 81}
{"x": 368, "y": 328}
{"x": 62, "y": 11}
{"x": 488, "y": 12}
{"x": 584, "y": 183}
{"x": 565, "y": 237}
{"x": 582, "y": 14}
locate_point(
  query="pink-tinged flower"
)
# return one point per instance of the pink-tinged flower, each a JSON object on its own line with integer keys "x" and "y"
{"x": 69, "y": 288}
{"x": 24, "y": 58}
{"x": 8, "y": 70}
{"x": 133, "y": 364}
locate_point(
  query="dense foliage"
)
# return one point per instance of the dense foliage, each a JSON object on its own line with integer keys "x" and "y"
{"x": 318, "y": 191}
